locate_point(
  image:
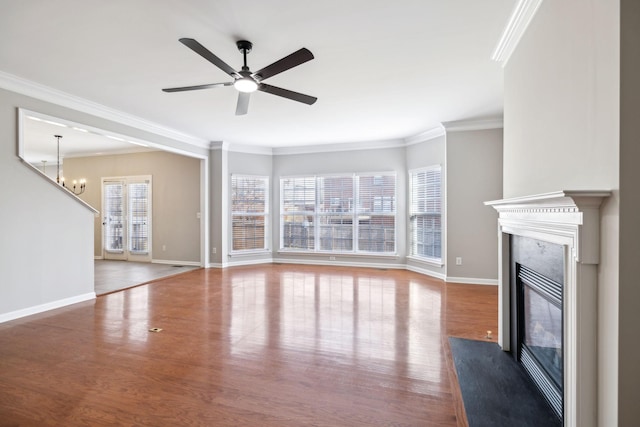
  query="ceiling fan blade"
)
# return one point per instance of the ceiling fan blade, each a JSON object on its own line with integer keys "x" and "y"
{"x": 198, "y": 87}
{"x": 289, "y": 94}
{"x": 243, "y": 103}
{"x": 206, "y": 54}
{"x": 296, "y": 58}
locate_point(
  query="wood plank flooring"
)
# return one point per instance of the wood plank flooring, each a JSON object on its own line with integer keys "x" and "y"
{"x": 268, "y": 345}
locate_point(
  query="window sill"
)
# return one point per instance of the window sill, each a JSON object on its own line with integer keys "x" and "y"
{"x": 340, "y": 254}
{"x": 250, "y": 253}
{"x": 428, "y": 261}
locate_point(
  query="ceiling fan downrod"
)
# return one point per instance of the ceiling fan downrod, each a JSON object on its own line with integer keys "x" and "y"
{"x": 244, "y": 46}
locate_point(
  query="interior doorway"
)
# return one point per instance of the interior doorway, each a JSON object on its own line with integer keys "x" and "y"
{"x": 177, "y": 239}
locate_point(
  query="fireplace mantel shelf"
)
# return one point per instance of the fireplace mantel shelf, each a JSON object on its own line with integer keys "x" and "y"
{"x": 554, "y": 200}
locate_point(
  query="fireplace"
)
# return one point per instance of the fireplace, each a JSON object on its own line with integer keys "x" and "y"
{"x": 549, "y": 247}
{"x": 536, "y": 317}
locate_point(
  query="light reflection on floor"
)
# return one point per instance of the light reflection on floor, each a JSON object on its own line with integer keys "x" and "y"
{"x": 355, "y": 320}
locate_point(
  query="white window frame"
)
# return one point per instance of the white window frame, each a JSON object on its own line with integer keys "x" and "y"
{"x": 353, "y": 212}
{"x": 243, "y": 213}
{"x": 416, "y": 211}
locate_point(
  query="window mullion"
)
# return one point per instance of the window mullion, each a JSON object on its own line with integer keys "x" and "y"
{"x": 355, "y": 218}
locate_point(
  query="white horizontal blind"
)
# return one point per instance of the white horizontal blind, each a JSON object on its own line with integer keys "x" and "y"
{"x": 249, "y": 212}
{"x": 335, "y": 213}
{"x": 377, "y": 213}
{"x": 114, "y": 216}
{"x": 339, "y": 213}
{"x": 298, "y": 212}
{"x": 426, "y": 212}
{"x": 138, "y": 204}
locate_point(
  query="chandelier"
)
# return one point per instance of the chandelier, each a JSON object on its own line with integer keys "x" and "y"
{"x": 78, "y": 187}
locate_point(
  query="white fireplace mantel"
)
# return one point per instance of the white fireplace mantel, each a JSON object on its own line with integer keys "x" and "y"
{"x": 570, "y": 219}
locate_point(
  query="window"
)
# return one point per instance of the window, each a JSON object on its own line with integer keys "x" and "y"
{"x": 249, "y": 212}
{"x": 338, "y": 213}
{"x": 425, "y": 213}
{"x": 297, "y": 210}
{"x": 377, "y": 213}
{"x": 335, "y": 213}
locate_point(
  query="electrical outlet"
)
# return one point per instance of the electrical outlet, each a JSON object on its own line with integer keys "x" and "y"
{"x": 164, "y": 248}
{"x": 213, "y": 250}
{"x": 332, "y": 258}
{"x": 459, "y": 260}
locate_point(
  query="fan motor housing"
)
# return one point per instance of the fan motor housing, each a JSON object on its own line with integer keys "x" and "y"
{"x": 244, "y": 46}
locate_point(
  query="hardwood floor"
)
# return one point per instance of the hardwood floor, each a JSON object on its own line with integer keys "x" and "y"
{"x": 268, "y": 345}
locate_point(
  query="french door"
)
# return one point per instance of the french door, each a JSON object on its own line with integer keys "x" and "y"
{"x": 126, "y": 218}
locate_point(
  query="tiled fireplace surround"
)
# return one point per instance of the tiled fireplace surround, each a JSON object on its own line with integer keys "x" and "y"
{"x": 570, "y": 219}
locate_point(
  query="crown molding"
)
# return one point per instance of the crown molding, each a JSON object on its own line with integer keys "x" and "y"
{"x": 54, "y": 96}
{"x": 520, "y": 19}
{"x": 250, "y": 149}
{"x": 466, "y": 125}
{"x": 425, "y": 136}
{"x": 332, "y": 148}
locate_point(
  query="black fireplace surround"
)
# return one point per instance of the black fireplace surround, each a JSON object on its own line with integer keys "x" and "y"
{"x": 536, "y": 314}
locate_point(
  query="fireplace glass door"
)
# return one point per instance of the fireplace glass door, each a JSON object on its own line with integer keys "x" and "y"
{"x": 543, "y": 333}
{"x": 541, "y": 340}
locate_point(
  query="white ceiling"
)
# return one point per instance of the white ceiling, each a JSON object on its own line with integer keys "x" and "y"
{"x": 383, "y": 70}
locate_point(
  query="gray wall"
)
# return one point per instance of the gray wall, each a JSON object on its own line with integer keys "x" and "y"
{"x": 47, "y": 244}
{"x": 217, "y": 167}
{"x": 175, "y": 198}
{"x": 561, "y": 132}
{"x": 474, "y": 175}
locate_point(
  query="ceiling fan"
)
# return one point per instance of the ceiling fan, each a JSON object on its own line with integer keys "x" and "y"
{"x": 246, "y": 81}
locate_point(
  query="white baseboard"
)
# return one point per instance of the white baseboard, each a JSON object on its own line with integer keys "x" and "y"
{"x": 339, "y": 263}
{"x": 238, "y": 263}
{"x": 415, "y": 269}
{"x": 96, "y": 257}
{"x": 425, "y": 272}
{"x": 171, "y": 262}
{"x": 472, "y": 281}
{"x": 45, "y": 307}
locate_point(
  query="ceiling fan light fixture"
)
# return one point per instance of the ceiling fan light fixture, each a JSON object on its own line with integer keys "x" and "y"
{"x": 246, "y": 85}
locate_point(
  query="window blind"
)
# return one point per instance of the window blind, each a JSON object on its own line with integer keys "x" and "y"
{"x": 249, "y": 212}
{"x": 339, "y": 213}
{"x": 425, "y": 212}
{"x": 114, "y": 216}
{"x": 138, "y": 193}
{"x": 376, "y": 213}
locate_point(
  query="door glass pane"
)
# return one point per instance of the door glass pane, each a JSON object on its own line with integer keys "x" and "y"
{"x": 113, "y": 216}
{"x": 138, "y": 217}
